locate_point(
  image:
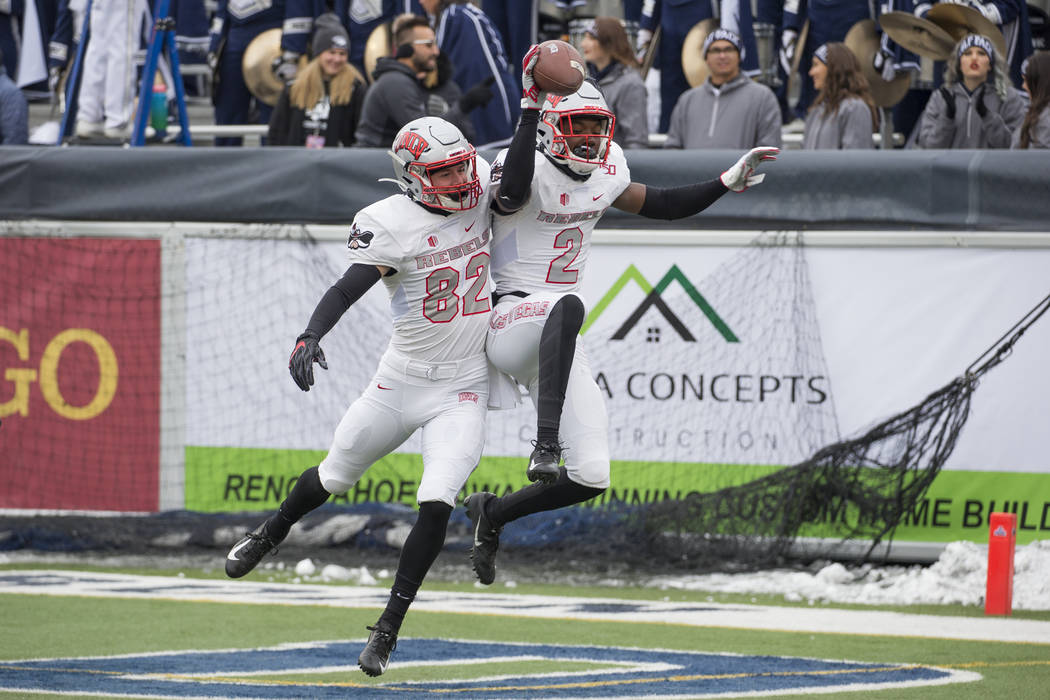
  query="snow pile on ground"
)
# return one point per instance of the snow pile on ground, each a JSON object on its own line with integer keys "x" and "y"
{"x": 958, "y": 576}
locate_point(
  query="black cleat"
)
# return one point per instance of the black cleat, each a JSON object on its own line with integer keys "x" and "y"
{"x": 248, "y": 552}
{"x": 375, "y": 656}
{"x": 486, "y": 537}
{"x": 544, "y": 462}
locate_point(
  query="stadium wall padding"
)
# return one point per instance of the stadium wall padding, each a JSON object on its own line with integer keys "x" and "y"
{"x": 961, "y": 190}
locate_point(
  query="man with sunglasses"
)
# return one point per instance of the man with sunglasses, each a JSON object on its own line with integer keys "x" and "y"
{"x": 401, "y": 92}
{"x": 546, "y": 209}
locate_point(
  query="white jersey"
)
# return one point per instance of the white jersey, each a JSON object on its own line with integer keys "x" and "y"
{"x": 543, "y": 246}
{"x": 439, "y": 294}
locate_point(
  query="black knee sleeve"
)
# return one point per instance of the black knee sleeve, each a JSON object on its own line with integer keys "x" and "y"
{"x": 557, "y": 347}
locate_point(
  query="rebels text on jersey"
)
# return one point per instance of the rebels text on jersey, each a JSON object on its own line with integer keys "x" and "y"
{"x": 439, "y": 292}
{"x": 543, "y": 246}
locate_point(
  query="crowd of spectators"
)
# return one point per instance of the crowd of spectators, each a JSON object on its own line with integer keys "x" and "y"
{"x": 459, "y": 60}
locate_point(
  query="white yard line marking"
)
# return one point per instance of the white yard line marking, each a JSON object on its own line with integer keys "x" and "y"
{"x": 820, "y": 620}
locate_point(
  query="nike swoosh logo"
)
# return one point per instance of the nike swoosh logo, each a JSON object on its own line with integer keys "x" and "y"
{"x": 232, "y": 556}
{"x": 477, "y": 542}
{"x": 467, "y": 229}
{"x": 385, "y": 388}
{"x": 595, "y": 199}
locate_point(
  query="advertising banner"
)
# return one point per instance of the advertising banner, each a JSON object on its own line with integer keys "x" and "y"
{"x": 80, "y": 370}
{"x": 717, "y": 364}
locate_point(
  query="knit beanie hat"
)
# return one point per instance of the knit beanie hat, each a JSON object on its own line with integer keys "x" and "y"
{"x": 724, "y": 34}
{"x": 328, "y": 34}
{"x": 981, "y": 42}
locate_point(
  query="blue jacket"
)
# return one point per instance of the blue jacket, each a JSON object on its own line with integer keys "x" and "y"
{"x": 475, "y": 47}
{"x": 14, "y": 113}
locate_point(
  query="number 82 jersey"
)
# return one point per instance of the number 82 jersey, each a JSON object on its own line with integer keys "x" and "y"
{"x": 543, "y": 247}
{"x": 439, "y": 292}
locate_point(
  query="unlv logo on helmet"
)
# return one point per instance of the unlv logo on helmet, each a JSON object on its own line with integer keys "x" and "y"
{"x": 359, "y": 238}
{"x": 413, "y": 143}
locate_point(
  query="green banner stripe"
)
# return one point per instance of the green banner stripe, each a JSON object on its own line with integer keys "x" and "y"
{"x": 232, "y": 479}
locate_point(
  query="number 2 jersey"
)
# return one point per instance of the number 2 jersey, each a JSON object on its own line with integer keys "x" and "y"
{"x": 439, "y": 292}
{"x": 543, "y": 247}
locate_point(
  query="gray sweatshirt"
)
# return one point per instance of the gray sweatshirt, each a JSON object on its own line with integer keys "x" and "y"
{"x": 968, "y": 129}
{"x": 397, "y": 97}
{"x": 739, "y": 114}
{"x": 1039, "y": 136}
{"x": 849, "y": 127}
{"x": 627, "y": 98}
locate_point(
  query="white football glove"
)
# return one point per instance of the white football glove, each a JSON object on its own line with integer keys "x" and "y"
{"x": 883, "y": 65}
{"x": 741, "y": 176}
{"x": 642, "y": 43}
{"x": 286, "y": 66}
{"x": 531, "y": 97}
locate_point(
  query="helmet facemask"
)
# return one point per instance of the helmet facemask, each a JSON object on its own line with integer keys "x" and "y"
{"x": 576, "y": 130}
{"x": 430, "y": 148}
{"x": 453, "y": 197}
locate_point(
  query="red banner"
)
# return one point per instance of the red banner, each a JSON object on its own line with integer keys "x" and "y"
{"x": 79, "y": 373}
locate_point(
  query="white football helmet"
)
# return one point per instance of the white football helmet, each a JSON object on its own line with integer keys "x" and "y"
{"x": 585, "y": 151}
{"x": 426, "y": 145}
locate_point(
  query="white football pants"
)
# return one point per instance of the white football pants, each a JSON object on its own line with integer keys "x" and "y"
{"x": 513, "y": 346}
{"x": 449, "y": 406}
{"x": 107, "y": 86}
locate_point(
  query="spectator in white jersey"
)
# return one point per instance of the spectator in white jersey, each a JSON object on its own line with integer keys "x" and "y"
{"x": 729, "y": 110}
{"x": 549, "y": 203}
{"x": 430, "y": 246}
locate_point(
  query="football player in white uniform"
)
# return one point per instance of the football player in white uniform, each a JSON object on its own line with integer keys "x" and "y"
{"x": 430, "y": 246}
{"x": 539, "y": 255}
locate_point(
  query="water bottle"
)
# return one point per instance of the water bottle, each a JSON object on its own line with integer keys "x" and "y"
{"x": 158, "y": 109}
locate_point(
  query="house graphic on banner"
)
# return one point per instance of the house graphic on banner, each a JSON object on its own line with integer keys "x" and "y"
{"x": 654, "y": 300}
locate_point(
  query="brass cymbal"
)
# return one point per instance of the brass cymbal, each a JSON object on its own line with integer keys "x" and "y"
{"x": 257, "y": 65}
{"x": 917, "y": 35}
{"x": 960, "y": 20}
{"x": 863, "y": 40}
{"x": 378, "y": 45}
{"x": 693, "y": 64}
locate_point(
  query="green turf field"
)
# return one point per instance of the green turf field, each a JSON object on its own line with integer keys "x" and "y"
{"x": 47, "y": 626}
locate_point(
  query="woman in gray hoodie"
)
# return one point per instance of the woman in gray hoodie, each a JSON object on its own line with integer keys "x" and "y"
{"x": 977, "y": 107}
{"x": 843, "y": 115}
{"x": 1034, "y": 131}
{"x": 611, "y": 63}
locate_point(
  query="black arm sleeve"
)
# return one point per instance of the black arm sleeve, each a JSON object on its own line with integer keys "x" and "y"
{"x": 516, "y": 180}
{"x": 357, "y": 280}
{"x": 680, "y": 202}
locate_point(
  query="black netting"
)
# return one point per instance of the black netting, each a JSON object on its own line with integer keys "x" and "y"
{"x": 862, "y": 487}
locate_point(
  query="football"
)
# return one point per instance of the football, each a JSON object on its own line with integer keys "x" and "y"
{"x": 559, "y": 70}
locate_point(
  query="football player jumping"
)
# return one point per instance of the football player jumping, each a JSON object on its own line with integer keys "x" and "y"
{"x": 541, "y": 241}
{"x": 430, "y": 246}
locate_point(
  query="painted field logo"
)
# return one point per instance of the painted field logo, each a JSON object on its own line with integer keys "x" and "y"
{"x": 653, "y": 299}
{"x": 469, "y": 669}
